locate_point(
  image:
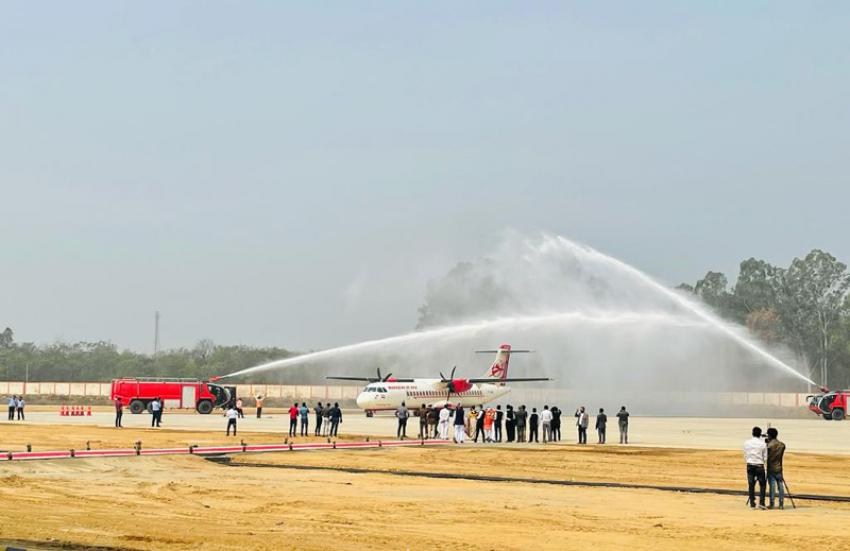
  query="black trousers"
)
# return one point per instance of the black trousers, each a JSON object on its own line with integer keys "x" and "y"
{"x": 755, "y": 473}
{"x": 556, "y": 432}
{"x": 155, "y": 418}
{"x": 582, "y": 435}
{"x": 402, "y": 428}
{"x": 118, "y": 416}
{"x": 511, "y": 430}
{"x": 304, "y": 427}
{"x": 20, "y": 414}
{"x": 479, "y": 431}
{"x": 318, "y": 425}
{"x": 601, "y": 433}
{"x": 239, "y": 412}
{"x": 293, "y": 427}
{"x": 259, "y": 412}
{"x": 11, "y": 413}
{"x": 497, "y": 432}
{"x": 231, "y": 423}
{"x": 334, "y": 426}
{"x": 532, "y": 435}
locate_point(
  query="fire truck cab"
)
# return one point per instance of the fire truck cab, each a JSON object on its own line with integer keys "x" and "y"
{"x": 137, "y": 393}
{"x": 831, "y": 405}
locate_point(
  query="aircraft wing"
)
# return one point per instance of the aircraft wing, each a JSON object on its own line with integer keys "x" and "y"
{"x": 370, "y": 379}
{"x": 509, "y": 380}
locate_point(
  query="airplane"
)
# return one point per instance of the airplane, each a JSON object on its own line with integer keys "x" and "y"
{"x": 388, "y": 392}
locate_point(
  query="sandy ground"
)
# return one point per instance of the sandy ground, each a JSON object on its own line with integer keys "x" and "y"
{"x": 186, "y": 502}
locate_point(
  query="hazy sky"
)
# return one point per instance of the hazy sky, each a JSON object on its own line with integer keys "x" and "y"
{"x": 294, "y": 174}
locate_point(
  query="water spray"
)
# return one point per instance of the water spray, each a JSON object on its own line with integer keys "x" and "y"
{"x": 547, "y": 259}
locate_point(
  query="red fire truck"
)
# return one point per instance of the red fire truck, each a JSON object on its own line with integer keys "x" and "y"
{"x": 830, "y": 405}
{"x": 202, "y": 396}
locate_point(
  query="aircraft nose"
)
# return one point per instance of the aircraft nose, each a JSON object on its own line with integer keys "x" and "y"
{"x": 362, "y": 400}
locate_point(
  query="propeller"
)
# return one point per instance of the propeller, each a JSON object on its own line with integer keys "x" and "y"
{"x": 383, "y": 379}
{"x": 450, "y": 384}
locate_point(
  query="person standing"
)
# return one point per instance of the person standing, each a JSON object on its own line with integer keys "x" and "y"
{"x": 239, "y": 408}
{"x": 326, "y": 419}
{"x": 293, "y": 420}
{"x": 232, "y": 413}
{"x": 259, "y": 401}
{"x": 304, "y": 413}
{"x": 533, "y": 423}
{"x": 119, "y": 412}
{"x": 336, "y": 419}
{"x": 755, "y": 454}
{"x": 623, "y": 423}
{"x": 497, "y": 425}
{"x": 510, "y": 423}
{"x": 445, "y": 413}
{"x": 20, "y": 406}
{"x": 582, "y": 420}
{"x": 460, "y": 428}
{"x": 156, "y": 407}
{"x": 402, "y": 414}
{"x": 546, "y": 422}
{"x": 775, "y": 454}
{"x": 423, "y": 422}
{"x": 479, "y": 425}
{"x": 556, "y": 423}
{"x": 319, "y": 412}
{"x": 601, "y": 422}
{"x": 489, "y": 421}
{"x": 521, "y": 418}
{"x": 432, "y": 415}
{"x": 13, "y": 404}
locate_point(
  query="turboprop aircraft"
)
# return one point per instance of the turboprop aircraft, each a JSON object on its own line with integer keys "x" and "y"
{"x": 388, "y": 392}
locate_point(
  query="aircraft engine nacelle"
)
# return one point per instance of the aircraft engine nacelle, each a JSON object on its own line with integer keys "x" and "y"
{"x": 459, "y": 385}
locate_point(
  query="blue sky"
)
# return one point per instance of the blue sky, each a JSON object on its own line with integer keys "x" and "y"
{"x": 295, "y": 174}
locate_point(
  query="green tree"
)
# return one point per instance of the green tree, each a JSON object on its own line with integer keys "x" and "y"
{"x": 7, "y": 338}
{"x": 814, "y": 303}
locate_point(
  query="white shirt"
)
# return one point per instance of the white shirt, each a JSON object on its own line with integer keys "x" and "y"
{"x": 444, "y": 415}
{"x": 546, "y": 416}
{"x": 232, "y": 413}
{"x": 755, "y": 451}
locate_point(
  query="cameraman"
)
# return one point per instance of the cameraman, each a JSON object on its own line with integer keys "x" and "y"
{"x": 775, "y": 453}
{"x": 755, "y": 453}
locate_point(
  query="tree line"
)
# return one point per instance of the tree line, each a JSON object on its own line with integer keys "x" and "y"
{"x": 805, "y": 307}
{"x": 103, "y": 361}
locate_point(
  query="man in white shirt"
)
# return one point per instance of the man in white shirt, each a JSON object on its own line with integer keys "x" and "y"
{"x": 755, "y": 454}
{"x": 546, "y": 421}
{"x": 445, "y": 413}
{"x": 232, "y": 414}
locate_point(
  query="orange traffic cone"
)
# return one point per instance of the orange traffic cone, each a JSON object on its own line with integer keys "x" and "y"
{"x": 88, "y": 412}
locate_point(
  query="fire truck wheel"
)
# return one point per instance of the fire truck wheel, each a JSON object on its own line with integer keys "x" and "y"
{"x": 838, "y": 414}
{"x": 205, "y": 407}
{"x": 827, "y": 416}
{"x": 137, "y": 406}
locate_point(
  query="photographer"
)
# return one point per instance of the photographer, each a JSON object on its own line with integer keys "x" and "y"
{"x": 775, "y": 453}
{"x": 755, "y": 454}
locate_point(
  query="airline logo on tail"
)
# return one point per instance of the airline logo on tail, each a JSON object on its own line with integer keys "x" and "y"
{"x": 499, "y": 369}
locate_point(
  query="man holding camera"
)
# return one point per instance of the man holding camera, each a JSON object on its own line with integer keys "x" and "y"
{"x": 755, "y": 454}
{"x": 775, "y": 453}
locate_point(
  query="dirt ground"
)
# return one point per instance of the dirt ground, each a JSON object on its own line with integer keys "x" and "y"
{"x": 186, "y": 502}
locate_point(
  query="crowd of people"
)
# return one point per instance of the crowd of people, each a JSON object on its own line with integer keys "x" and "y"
{"x": 519, "y": 424}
